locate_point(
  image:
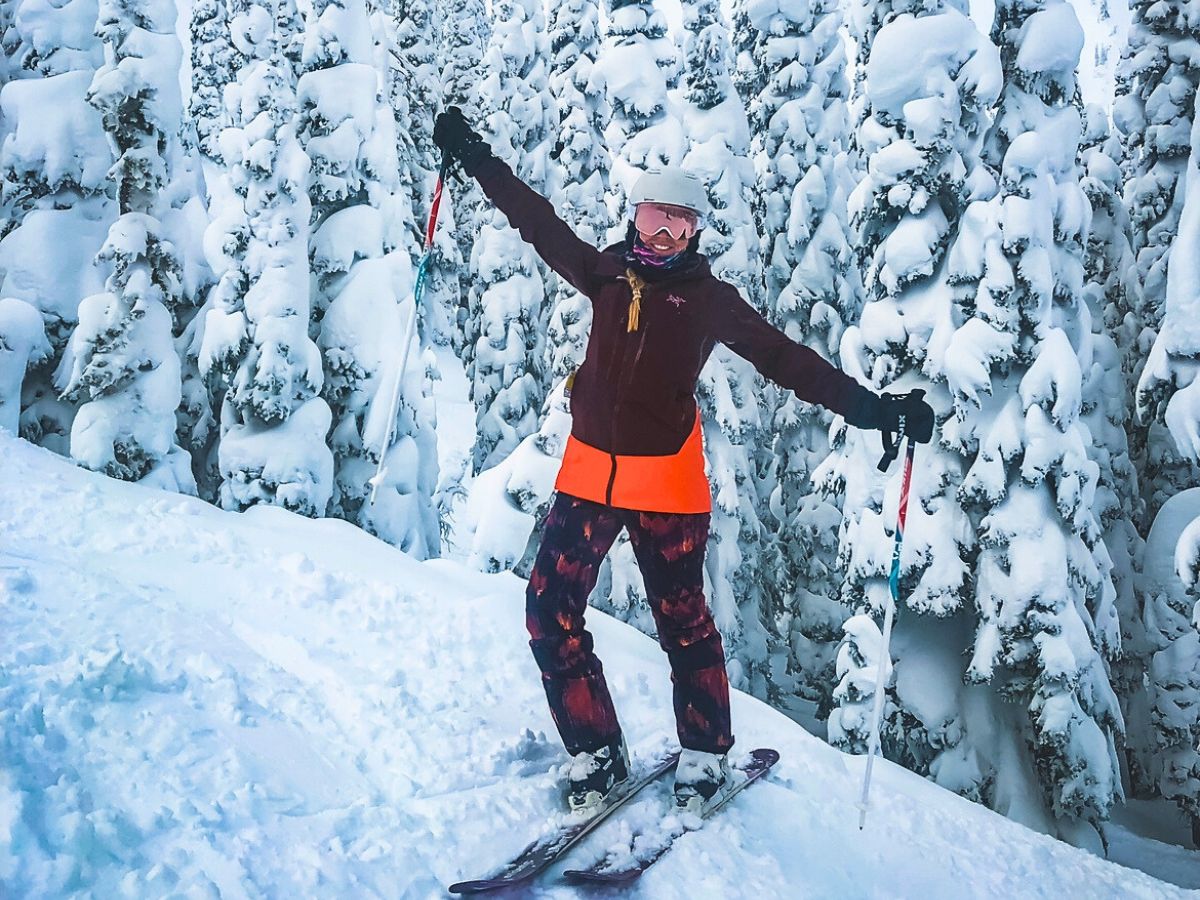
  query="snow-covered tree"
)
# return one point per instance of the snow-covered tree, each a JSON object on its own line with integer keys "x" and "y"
{"x": 416, "y": 100}
{"x": 636, "y": 66}
{"x": 579, "y": 178}
{"x": 639, "y": 21}
{"x": 360, "y": 257}
{"x": 811, "y": 292}
{"x": 864, "y": 18}
{"x": 1053, "y": 655}
{"x": 43, "y": 39}
{"x": 215, "y": 62}
{"x": 417, "y": 51}
{"x": 506, "y": 325}
{"x": 122, "y": 362}
{"x": 751, "y": 70}
{"x": 1007, "y": 497}
{"x": 978, "y": 287}
{"x": 465, "y": 30}
{"x": 1170, "y": 390}
{"x": 922, "y": 134}
{"x": 255, "y": 338}
{"x": 405, "y": 51}
{"x": 1113, "y": 294}
{"x": 1168, "y": 752}
{"x": 1155, "y": 114}
{"x": 55, "y": 207}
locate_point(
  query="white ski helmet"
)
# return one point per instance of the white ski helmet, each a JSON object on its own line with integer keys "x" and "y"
{"x": 670, "y": 185}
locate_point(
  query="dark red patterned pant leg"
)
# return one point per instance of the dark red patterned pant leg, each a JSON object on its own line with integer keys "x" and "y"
{"x": 670, "y": 553}
{"x": 578, "y": 534}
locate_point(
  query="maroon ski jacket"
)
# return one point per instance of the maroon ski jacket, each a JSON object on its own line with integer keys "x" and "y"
{"x": 634, "y": 394}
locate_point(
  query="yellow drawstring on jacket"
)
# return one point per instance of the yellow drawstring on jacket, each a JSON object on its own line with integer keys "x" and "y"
{"x": 636, "y": 283}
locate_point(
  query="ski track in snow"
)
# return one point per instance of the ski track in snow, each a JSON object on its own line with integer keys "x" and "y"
{"x": 197, "y": 703}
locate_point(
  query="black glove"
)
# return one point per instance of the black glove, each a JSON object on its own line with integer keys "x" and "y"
{"x": 906, "y": 415}
{"x": 901, "y": 416}
{"x": 461, "y": 144}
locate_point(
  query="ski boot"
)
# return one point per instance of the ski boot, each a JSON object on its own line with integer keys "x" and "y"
{"x": 592, "y": 776}
{"x": 700, "y": 780}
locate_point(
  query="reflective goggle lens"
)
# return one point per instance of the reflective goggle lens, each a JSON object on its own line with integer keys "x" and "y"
{"x": 651, "y": 218}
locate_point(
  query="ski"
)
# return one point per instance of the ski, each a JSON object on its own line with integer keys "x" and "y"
{"x": 543, "y": 852}
{"x": 616, "y": 870}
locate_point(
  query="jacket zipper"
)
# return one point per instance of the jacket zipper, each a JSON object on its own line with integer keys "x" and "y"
{"x": 621, "y": 388}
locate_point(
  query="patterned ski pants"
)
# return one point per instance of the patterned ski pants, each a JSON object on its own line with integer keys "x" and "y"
{"x": 670, "y": 553}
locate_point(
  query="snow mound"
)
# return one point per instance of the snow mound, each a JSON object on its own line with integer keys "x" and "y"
{"x": 196, "y": 702}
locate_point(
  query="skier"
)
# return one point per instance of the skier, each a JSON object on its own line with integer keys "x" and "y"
{"x": 634, "y": 459}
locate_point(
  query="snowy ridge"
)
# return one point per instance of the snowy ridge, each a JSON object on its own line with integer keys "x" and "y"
{"x": 259, "y": 704}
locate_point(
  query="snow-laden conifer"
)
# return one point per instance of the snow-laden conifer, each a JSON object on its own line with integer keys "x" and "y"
{"x": 464, "y": 31}
{"x": 1169, "y": 392}
{"x": 255, "y": 339}
{"x": 215, "y": 62}
{"x": 750, "y": 68}
{"x": 55, "y": 207}
{"x": 1007, "y": 499}
{"x": 864, "y": 18}
{"x": 578, "y": 179}
{"x": 637, "y": 64}
{"x": 1113, "y": 295}
{"x": 505, "y": 329}
{"x": 638, "y": 20}
{"x": 811, "y": 292}
{"x": 415, "y": 97}
{"x": 1166, "y": 754}
{"x": 857, "y": 672}
{"x": 922, "y": 143}
{"x": 1155, "y": 112}
{"x": 122, "y": 363}
{"x": 361, "y": 259}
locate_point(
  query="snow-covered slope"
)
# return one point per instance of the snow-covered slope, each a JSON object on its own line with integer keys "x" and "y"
{"x": 195, "y": 702}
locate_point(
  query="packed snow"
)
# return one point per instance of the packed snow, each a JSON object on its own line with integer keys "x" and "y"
{"x": 206, "y": 703}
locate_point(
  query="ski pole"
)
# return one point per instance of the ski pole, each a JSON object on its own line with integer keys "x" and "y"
{"x": 888, "y": 615}
{"x": 418, "y": 290}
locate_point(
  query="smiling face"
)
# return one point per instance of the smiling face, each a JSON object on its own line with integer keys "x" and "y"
{"x": 665, "y": 229}
{"x": 663, "y": 244}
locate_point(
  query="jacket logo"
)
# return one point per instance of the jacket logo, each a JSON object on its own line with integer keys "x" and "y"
{"x": 676, "y": 300}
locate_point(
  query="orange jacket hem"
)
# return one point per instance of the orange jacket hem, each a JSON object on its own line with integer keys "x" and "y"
{"x": 674, "y": 483}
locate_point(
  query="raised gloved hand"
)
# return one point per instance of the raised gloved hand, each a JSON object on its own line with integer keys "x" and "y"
{"x": 459, "y": 141}
{"x": 901, "y": 416}
{"x": 906, "y": 415}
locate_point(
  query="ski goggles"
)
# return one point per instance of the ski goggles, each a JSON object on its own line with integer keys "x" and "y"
{"x": 677, "y": 221}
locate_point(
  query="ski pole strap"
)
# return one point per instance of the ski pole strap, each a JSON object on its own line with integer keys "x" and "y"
{"x": 891, "y": 447}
